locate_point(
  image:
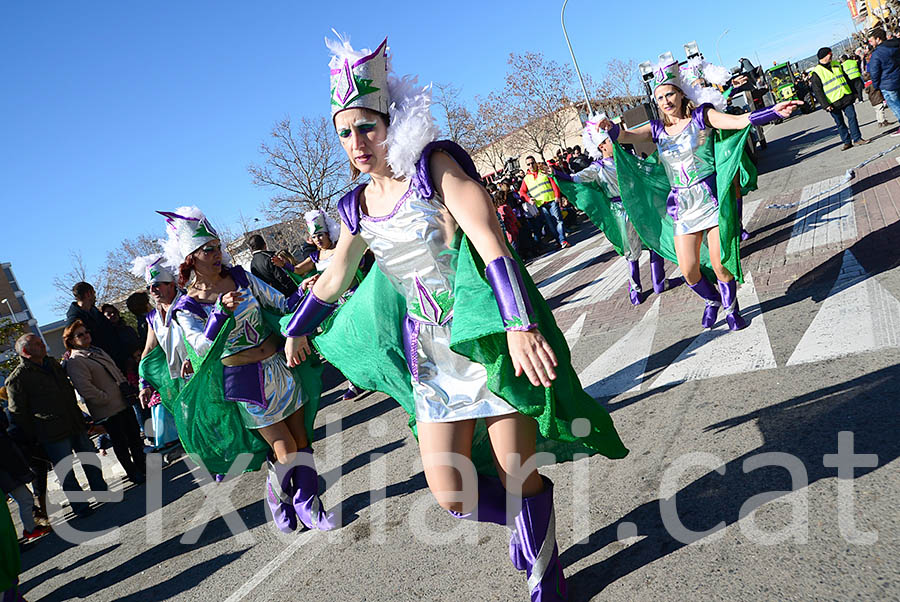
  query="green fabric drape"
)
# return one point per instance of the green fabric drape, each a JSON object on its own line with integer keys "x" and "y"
{"x": 364, "y": 342}
{"x": 593, "y": 201}
{"x": 10, "y": 561}
{"x": 210, "y": 428}
{"x": 645, "y": 188}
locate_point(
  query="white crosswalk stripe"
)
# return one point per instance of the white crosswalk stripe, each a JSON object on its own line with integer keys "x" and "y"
{"x": 858, "y": 315}
{"x": 550, "y": 285}
{"x": 612, "y": 280}
{"x": 574, "y": 332}
{"x": 719, "y": 352}
{"x": 620, "y": 368}
{"x": 823, "y": 218}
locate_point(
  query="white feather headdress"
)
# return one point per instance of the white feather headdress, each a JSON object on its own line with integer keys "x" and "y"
{"x": 411, "y": 126}
{"x": 317, "y": 221}
{"x": 687, "y": 79}
{"x": 188, "y": 229}
{"x": 152, "y": 269}
{"x": 592, "y": 136}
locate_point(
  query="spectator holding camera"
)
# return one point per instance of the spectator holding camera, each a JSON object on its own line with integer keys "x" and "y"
{"x": 108, "y": 397}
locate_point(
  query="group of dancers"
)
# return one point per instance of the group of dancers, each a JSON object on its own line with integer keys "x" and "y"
{"x": 447, "y": 322}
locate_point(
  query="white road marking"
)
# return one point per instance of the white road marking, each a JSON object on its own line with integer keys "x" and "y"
{"x": 613, "y": 279}
{"x": 274, "y": 564}
{"x": 823, "y": 218}
{"x": 551, "y": 284}
{"x": 858, "y": 315}
{"x": 749, "y": 209}
{"x": 574, "y": 332}
{"x": 719, "y": 352}
{"x": 620, "y": 369}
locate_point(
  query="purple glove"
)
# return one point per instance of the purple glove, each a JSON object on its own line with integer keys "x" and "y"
{"x": 309, "y": 315}
{"x": 764, "y": 116}
{"x": 614, "y": 132}
{"x": 217, "y": 318}
{"x": 506, "y": 281}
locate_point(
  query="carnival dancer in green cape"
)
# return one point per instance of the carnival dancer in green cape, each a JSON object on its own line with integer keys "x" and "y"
{"x": 700, "y": 164}
{"x": 447, "y": 321}
{"x": 237, "y": 354}
{"x": 595, "y": 190}
{"x": 164, "y": 354}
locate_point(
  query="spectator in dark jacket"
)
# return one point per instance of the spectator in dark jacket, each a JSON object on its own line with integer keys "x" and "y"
{"x": 884, "y": 69}
{"x": 42, "y": 405}
{"x": 831, "y": 87}
{"x": 139, "y": 306}
{"x": 262, "y": 267}
{"x": 84, "y": 308}
{"x": 15, "y": 474}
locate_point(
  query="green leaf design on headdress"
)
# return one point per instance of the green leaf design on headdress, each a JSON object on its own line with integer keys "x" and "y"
{"x": 363, "y": 87}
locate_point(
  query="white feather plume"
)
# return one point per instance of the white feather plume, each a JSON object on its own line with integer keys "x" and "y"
{"x": 709, "y": 95}
{"x": 139, "y": 265}
{"x": 412, "y": 124}
{"x": 174, "y": 254}
{"x": 341, "y": 50}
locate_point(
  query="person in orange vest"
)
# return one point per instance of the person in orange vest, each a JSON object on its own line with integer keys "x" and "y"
{"x": 540, "y": 189}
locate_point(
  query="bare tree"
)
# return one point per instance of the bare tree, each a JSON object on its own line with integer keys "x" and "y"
{"x": 305, "y": 165}
{"x": 115, "y": 278}
{"x": 539, "y": 88}
{"x": 63, "y": 283}
{"x": 623, "y": 78}
{"x": 459, "y": 123}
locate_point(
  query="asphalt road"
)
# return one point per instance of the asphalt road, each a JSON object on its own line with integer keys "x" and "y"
{"x": 733, "y": 434}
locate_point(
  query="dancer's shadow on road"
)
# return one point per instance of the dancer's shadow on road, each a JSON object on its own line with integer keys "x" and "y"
{"x": 806, "y": 427}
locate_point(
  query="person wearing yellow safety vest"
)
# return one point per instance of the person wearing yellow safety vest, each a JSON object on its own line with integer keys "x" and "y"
{"x": 540, "y": 189}
{"x": 854, "y": 74}
{"x": 831, "y": 88}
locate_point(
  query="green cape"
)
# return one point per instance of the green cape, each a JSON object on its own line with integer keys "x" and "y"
{"x": 210, "y": 428}
{"x": 10, "y": 561}
{"x": 645, "y": 188}
{"x": 590, "y": 198}
{"x": 364, "y": 342}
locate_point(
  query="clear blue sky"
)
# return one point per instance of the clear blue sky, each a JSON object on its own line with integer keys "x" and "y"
{"x": 111, "y": 110}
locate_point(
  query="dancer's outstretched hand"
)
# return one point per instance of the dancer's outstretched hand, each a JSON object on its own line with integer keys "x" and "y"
{"x": 787, "y": 107}
{"x": 296, "y": 350}
{"x": 532, "y": 354}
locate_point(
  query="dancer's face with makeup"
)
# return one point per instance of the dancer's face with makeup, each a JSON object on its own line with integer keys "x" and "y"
{"x": 362, "y": 134}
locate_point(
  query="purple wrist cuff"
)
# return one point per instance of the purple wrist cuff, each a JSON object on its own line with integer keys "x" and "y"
{"x": 294, "y": 300}
{"x": 614, "y": 132}
{"x": 561, "y": 175}
{"x": 764, "y": 116}
{"x": 143, "y": 384}
{"x": 309, "y": 315}
{"x": 289, "y": 267}
{"x": 506, "y": 281}
{"x": 217, "y": 318}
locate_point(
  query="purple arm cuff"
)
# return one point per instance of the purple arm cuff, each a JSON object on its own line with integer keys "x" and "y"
{"x": 614, "y": 132}
{"x": 309, "y": 315}
{"x": 143, "y": 384}
{"x": 288, "y": 267}
{"x": 294, "y": 300}
{"x": 506, "y": 281}
{"x": 217, "y": 318}
{"x": 764, "y": 116}
{"x": 561, "y": 175}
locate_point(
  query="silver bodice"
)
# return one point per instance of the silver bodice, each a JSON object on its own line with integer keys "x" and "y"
{"x": 603, "y": 173}
{"x": 415, "y": 247}
{"x": 168, "y": 334}
{"x": 687, "y": 156}
{"x": 250, "y": 329}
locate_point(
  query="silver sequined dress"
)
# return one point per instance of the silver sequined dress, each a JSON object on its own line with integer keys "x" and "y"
{"x": 603, "y": 173}
{"x": 689, "y": 160}
{"x": 415, "y": 247}
{"x": 265, "y": 391}
{"x": 168, "y": 334}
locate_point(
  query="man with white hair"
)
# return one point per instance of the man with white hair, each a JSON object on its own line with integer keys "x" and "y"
{"x": 42, "y": 405}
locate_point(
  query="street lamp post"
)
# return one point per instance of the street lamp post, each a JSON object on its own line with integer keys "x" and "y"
{"x": 562, "y": 18}
{"x": 12, "y": 314}
{"x": 719, "y": 56}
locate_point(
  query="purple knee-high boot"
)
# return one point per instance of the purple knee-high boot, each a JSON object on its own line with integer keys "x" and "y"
{"x": 658, "y": 274}
{"x": 536, "y": 525}
{"x": 279, "y": 492}
{"x": 730, "y": 303}
{"x": 492, "y": 509}
{"x": 713, "y": 299}
{"x": 634, "y": 282}
{"x": 306, "y": 501}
